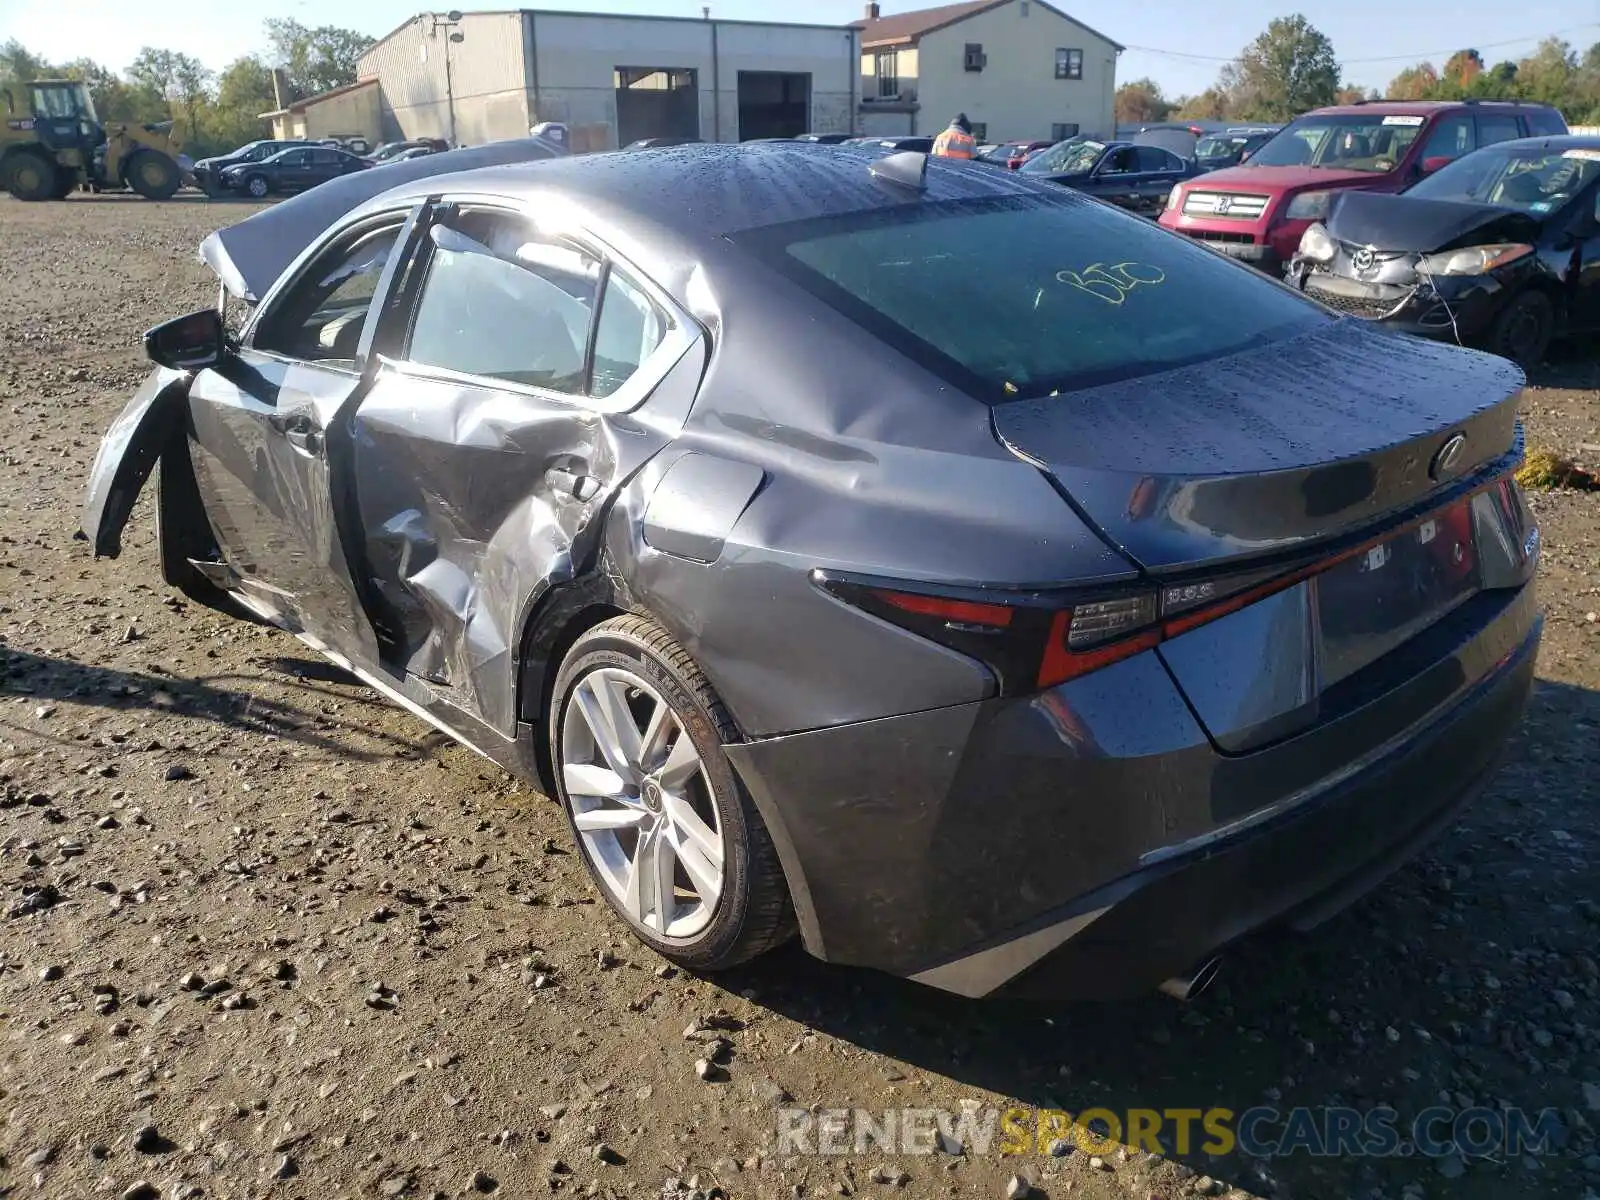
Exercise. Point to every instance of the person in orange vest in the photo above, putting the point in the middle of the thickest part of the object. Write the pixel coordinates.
(957, 140)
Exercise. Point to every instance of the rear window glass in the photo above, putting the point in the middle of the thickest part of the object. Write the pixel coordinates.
(1099, 295)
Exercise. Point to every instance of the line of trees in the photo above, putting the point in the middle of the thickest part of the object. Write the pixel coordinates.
(1291, 67)
(211, 111)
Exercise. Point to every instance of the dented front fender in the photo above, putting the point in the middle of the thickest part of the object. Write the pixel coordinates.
(128, 453)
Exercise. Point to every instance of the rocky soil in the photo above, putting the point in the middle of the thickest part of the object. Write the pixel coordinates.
(263, 935)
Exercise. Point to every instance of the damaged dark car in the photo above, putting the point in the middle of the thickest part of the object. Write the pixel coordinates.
(1037, 625)
(1500, 249)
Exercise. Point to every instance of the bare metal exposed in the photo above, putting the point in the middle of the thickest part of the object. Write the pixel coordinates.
(1015, 623)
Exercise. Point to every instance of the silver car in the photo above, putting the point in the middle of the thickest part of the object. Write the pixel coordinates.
(1039, 622)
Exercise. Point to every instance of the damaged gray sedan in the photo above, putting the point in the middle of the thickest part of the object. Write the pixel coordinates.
(1037, 625)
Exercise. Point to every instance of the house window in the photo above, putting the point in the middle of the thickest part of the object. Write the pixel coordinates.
(1062, 130)
(1069, 64)
(888, 75)
(975, 59)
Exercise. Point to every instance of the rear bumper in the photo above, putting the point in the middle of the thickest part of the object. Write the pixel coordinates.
(1090, 842)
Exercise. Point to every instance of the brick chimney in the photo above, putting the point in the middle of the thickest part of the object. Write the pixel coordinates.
(872, 12)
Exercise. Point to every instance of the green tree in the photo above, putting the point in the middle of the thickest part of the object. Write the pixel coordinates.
(1549, 73)
(1290, 68)
(19, 65)
(316, 60)
(1141, 101)
(244, 92)
(1209, 105)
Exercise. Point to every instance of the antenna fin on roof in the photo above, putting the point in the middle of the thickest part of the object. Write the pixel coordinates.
(909, 168)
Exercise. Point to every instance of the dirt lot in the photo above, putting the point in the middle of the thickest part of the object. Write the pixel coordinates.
(410, 988)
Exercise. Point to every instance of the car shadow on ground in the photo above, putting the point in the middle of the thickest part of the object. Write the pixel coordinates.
(219, 699)
(1354, 1013)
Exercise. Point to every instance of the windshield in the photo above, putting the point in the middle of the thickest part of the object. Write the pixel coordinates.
(1357, 143)
(1071, 157)
(1099, 296)
(1530, 181)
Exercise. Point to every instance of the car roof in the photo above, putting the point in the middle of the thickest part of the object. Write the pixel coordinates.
(709, 190)
(1415, 108)
(1562, 141)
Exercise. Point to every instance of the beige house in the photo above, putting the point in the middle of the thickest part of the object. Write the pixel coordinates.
(346, 113)
(612, 78)
(1020, 70)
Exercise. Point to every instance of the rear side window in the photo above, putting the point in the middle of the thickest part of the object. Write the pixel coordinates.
(1100, 295)
(1152, 158)
(1544, 121)
(505, 304)
(1492, 129)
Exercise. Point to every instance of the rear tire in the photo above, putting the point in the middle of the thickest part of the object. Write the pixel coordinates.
(1523, 330)
(153, 175)
(30, 176)
(685, 796)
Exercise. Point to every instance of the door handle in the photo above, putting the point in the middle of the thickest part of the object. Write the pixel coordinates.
(569, 483)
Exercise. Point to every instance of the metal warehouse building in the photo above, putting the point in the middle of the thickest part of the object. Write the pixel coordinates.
(483, 76)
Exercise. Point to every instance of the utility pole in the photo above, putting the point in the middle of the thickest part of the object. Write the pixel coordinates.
(451, 21)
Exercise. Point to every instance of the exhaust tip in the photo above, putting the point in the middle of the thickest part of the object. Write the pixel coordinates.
(1187, 987)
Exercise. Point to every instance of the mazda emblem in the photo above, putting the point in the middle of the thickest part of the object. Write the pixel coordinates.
(1448, 460)
(1362, 259)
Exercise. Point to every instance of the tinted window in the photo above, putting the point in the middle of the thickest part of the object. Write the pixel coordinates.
(1497, 129)
(321, 318)
(502, 303)
(1153, 159)
(327, 158)
(1450, 137)
(1099, 296)
(295, 158)
(1354, 143)
(630, 327)
(1124, 161)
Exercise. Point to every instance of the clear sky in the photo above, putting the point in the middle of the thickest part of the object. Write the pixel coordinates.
(1172, 41)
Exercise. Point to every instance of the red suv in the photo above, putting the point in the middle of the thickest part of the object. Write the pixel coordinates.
(1258, 210)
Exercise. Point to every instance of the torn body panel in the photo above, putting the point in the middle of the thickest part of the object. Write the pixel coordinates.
(150, 421)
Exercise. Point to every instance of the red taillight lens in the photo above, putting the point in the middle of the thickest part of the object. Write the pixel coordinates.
(1037, 640)
(961, 612)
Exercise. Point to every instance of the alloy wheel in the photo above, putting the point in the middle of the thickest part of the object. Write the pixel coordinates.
(641, 803)
(258, 187)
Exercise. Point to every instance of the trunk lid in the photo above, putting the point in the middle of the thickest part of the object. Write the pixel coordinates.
(1271, 449)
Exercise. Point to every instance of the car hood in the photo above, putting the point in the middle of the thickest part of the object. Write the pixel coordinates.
(248, 257)
(1276, 180)
(1390, 222)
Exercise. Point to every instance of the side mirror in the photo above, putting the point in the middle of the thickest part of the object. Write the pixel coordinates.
(1434, 162)
(188, 343)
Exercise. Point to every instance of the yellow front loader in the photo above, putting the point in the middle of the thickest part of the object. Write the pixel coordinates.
(53, 144)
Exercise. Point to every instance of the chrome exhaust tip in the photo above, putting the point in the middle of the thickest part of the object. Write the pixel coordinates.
(1187, 987)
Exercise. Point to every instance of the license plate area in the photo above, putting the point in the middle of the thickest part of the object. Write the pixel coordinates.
(1387, 593)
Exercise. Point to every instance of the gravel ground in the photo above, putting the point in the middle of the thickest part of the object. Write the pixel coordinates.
(261, 934)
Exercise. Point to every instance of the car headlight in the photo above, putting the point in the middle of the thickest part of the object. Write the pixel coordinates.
(1309, 206)
(1175, 195)
(1472, 260)
(1316, 245)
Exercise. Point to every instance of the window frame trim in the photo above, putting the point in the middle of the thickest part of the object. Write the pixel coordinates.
(409, 214)
(682, 335)
(1064, 63)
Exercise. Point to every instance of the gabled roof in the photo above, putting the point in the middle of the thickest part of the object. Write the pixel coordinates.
(299, 106)
(899, 29)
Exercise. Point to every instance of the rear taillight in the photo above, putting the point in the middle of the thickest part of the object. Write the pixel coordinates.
(1035, 640)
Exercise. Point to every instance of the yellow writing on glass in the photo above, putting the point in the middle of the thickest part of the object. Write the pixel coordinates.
(1112, 283)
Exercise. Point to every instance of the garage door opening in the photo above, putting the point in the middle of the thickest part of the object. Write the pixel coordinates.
(773, 104)
(656, 102)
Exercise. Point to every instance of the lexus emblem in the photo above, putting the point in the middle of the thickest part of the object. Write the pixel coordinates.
(1222, 205)
(1362, 259)
(1448, 460)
